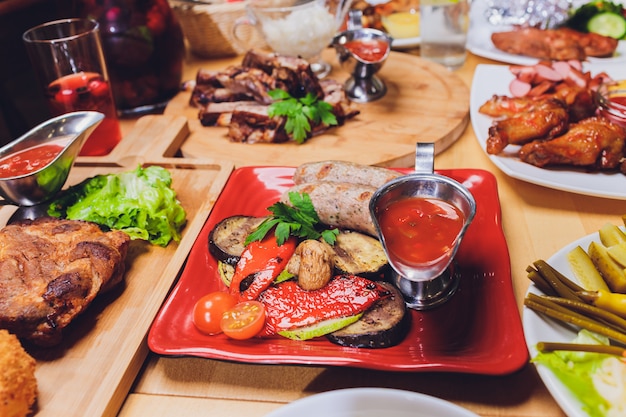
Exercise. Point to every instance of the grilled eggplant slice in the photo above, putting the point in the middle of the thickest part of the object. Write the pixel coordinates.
(385, 324)
(359, 254)
(226, 240)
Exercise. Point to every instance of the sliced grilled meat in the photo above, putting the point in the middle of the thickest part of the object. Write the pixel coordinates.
(238, 97)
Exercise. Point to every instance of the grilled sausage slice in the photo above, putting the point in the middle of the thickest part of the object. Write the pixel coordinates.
(341, 205)
(343, 171)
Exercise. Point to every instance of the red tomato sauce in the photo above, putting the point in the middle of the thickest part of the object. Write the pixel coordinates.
(615, 110)
(420, 230)
(28, 160)
(370, 50)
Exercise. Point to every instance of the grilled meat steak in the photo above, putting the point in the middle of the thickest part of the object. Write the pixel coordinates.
(51, 270)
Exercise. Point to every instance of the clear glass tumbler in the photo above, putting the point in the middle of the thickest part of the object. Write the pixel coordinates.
(444, 25)
(68, 60)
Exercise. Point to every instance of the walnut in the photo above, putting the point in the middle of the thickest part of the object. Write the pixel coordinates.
(312, 263)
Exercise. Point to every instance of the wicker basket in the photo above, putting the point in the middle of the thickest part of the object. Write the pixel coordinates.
(208, 28)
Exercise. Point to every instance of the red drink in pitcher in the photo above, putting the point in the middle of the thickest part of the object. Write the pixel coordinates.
(87, 91)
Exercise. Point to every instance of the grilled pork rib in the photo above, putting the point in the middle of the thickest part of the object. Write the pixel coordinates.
(51, 270)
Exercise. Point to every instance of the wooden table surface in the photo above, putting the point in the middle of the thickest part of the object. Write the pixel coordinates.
(537, 222)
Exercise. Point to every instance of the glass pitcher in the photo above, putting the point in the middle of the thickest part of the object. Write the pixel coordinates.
(144, 50)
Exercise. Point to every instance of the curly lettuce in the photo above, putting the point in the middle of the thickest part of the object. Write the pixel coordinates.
(592, 378)
(140, 203)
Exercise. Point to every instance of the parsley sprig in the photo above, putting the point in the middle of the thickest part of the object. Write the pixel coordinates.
(300, 112)
(299, 219)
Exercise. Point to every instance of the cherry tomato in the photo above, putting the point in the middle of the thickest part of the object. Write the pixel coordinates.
(244, 321)
(208, 311)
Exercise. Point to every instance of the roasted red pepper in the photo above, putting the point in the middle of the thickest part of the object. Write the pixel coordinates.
(289, 307)
(260, 262)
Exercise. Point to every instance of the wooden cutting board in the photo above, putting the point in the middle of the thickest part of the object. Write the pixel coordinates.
(91, 372)
(425, 102)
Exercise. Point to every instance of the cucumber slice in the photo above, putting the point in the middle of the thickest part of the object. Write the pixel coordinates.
(608, 24)
(319, 329)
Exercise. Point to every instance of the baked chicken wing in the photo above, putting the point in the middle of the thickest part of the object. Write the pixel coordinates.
(548, 118)
(593, 142)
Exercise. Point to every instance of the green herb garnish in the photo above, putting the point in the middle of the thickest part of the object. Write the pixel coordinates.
(300, 112)
(298, 220)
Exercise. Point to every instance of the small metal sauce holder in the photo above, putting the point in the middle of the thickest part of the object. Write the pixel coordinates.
(363, 85)
(427, 285)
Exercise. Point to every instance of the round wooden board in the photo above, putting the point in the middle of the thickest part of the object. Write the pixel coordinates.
(425, 102)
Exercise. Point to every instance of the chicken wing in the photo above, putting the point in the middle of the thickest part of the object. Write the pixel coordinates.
(505, 106)
(547, 119)
(593, 142)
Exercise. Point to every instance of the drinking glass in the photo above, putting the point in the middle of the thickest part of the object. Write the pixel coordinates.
(444, 25)
(68, 61)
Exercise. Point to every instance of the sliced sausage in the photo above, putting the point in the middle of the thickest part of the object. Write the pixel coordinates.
(341, 205)
(343, 171)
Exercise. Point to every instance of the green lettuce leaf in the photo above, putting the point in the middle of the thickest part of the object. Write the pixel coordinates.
(140, 203)
(576, 369)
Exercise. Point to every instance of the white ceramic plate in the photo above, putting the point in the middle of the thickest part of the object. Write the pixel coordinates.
(495, 79)
(479, 41)
(539, 328)
(370, 402)
(406, 43)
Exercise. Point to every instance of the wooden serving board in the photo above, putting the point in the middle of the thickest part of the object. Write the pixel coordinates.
(91, 372)
(425, 102)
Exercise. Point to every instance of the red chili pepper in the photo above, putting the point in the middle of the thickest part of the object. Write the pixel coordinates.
(288, 306)
(261, 262)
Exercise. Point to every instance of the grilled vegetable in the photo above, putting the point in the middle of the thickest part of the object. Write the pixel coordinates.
(359, 254)
(259, 265)
(385, 324)
(289, 307)
(319, 329)
(312, 263)
(226, 240)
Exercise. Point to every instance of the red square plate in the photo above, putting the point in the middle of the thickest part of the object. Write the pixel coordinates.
(477, 331)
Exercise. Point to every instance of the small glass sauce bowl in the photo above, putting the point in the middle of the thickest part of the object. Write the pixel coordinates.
(611, 99)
